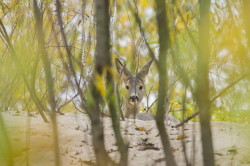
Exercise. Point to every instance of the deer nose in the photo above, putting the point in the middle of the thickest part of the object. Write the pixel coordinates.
(134, 98)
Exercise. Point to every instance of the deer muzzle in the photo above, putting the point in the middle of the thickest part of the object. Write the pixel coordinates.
(134, 99)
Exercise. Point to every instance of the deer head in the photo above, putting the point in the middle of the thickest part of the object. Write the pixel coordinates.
(134, 84)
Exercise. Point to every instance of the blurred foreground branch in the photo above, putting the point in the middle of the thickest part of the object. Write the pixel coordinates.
(20, 68)
(163, 79)
(202, 83)
(49, 79)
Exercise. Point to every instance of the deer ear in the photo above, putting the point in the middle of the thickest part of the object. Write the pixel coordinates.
(143, 72)
(122, 70)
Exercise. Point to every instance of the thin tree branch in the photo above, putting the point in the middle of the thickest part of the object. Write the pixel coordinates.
(69, 54)
(142, 32)
(20, 68)
(214, 98)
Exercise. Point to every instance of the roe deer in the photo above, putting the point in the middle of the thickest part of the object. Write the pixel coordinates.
(135, 89)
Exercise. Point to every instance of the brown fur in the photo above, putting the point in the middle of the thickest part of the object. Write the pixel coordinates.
(135, 87)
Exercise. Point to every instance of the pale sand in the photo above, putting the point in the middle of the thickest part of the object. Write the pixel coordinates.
(231, 141)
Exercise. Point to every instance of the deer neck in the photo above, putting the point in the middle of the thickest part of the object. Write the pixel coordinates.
(131, 110)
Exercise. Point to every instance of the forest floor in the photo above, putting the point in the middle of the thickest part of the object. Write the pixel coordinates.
(32, 140)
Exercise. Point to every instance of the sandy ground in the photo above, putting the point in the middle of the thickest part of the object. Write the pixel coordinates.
(32, 140)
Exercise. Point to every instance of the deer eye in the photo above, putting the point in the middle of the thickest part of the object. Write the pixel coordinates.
(141, 87)
(127, 87)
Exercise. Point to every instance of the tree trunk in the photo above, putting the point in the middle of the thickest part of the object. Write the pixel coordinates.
(49, 79)
(6, 151)
(246, 12)
(202, 91)
(102, 59)
(163, 82)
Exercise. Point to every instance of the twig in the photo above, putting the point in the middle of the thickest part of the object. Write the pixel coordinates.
(217, 96)
(69, 54)
(67, 102)
(19, 66)
(119, 101)
(142, 32)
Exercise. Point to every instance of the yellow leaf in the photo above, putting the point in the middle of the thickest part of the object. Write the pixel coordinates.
(33, 134)
(180, 26)
(144, 3)
(139, 128)
(99, 84)
(88, 60)
(181, 137)
(187, 17)
(143, 109)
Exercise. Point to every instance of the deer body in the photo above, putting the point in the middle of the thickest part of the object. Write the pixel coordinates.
(135, 91)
